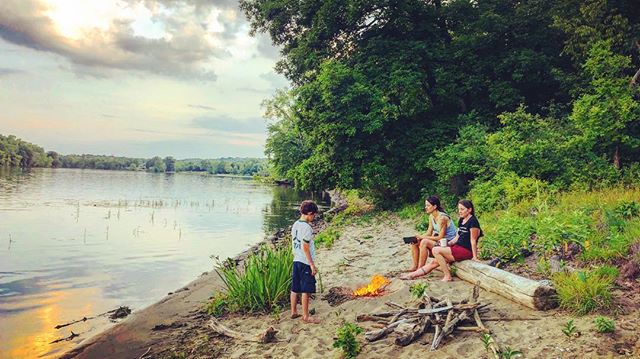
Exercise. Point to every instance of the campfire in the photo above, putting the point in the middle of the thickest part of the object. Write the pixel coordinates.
(375, 288)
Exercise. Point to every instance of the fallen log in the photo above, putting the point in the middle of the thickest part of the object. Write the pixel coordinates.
(268, 336)
(532, 294)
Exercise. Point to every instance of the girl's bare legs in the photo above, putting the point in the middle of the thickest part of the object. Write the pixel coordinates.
(415, 253)
(425, 245)
(443, 256)
(424, 270)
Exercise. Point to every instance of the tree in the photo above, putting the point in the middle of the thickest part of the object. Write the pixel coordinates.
(608, 115)
(155, 164)
(170, 164)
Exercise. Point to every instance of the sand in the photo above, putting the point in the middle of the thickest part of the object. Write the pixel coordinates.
(363, 251)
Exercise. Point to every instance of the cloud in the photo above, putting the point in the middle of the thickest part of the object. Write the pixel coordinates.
(253, 90)
(6, 71)
(275, 80)
(266, 48)
(170, 37)
(202, 107)
(227, 124)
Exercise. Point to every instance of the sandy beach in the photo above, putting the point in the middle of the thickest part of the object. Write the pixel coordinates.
(176, 327)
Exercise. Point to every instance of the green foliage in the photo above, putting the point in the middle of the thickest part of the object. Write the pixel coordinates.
(423, 223)
(604, 112)
(327, 237)
(346, 339)
(262, 284)
(604, 324)
(628, 210)
(417, 290)
(507, 237)
(411, 211)
(218, 306)
(486, 340)
(543, 266)
(584, 291)
(15, 152)
(569, 328)
(508, 353)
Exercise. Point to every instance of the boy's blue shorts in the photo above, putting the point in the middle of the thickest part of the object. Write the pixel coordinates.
(302, 281)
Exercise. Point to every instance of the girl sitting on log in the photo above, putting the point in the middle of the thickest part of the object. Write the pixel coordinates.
(440, 227)
(463, 246)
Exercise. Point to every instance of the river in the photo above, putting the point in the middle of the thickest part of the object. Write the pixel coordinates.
(78, 243)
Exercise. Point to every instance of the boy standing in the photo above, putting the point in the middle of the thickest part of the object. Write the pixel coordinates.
(303, 279)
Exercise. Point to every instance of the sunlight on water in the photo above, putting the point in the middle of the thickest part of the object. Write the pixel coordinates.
(78, 243)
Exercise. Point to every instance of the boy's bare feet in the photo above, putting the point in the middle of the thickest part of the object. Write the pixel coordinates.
(311, 320)
(295, 315)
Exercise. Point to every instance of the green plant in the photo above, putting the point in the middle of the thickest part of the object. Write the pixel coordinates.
(628, 209)
(411, 211)
(508, 353)
(218, 305)
(486, 340)
(583, 291)
(543, 266)
(604, 324)
(346, 339)
(507, 237)
(417, 290)
(569, 329)
(327, 237)
(263, 282)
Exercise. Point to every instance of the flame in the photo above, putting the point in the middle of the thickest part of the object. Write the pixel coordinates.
(374, 288)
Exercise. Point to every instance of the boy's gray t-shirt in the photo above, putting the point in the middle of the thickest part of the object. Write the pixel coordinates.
(301, 232)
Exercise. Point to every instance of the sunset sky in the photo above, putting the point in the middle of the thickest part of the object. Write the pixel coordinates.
(135, 78)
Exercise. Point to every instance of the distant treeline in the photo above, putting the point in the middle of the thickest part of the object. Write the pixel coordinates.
(15, 152)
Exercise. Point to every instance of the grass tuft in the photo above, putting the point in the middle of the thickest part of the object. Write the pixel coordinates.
(583, 292)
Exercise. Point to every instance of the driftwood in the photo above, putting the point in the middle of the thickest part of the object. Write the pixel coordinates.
(530, 293)
(267, 336)
(444, 316)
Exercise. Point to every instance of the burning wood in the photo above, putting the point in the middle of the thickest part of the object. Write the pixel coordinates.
(375, 288)
(444, 316)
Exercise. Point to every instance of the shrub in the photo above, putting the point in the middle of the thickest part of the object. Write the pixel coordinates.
(218, 305)
(411, 211)
(628, 209)
(327, 237)
(507, 237)
(417, 290)
(604, 325)
(262, 284)
(559, 229)
(346, 339)
(584, 291)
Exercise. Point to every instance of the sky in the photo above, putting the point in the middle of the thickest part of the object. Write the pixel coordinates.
(135, 78)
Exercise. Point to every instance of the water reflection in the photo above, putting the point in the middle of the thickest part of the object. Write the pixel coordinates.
(76, 243)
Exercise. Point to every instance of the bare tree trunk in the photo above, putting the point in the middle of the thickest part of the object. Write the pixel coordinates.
(616, 158)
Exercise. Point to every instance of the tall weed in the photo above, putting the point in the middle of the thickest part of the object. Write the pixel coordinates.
(261, 284)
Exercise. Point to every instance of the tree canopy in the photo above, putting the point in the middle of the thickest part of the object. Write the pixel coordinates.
(381, 89)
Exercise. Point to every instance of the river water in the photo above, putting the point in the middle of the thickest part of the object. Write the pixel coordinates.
(77, 243)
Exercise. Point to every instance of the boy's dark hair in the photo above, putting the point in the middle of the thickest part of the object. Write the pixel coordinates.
(435, 200)
(308, 207)
(467, 204)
